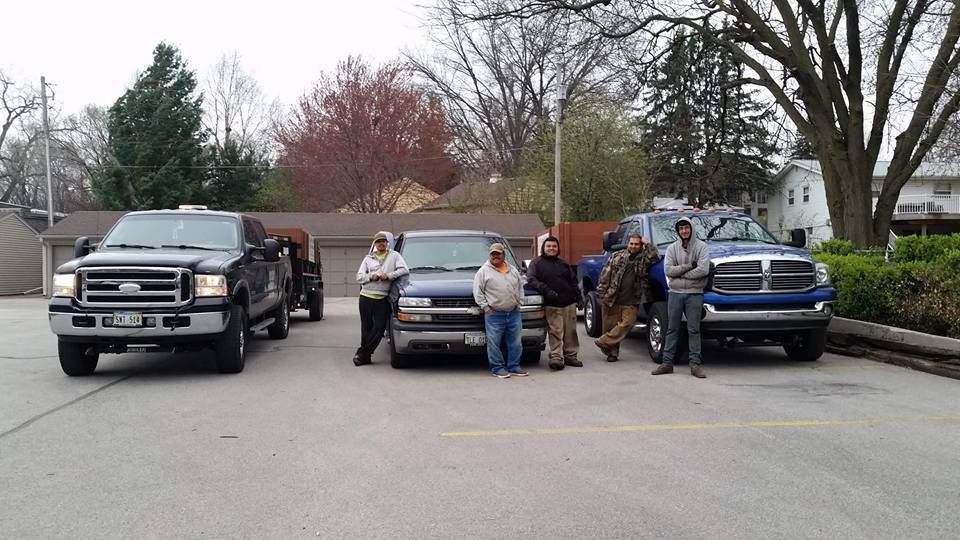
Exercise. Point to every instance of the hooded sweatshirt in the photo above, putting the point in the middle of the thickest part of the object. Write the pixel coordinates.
(553, 278)
(687, 267)
(392, 264)
(501, 291)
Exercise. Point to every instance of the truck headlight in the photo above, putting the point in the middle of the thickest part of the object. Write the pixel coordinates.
(210, 285)
(823, 275)
(64, 284)
(534, 300)
(412, 301)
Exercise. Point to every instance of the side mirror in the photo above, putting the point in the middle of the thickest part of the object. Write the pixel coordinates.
(271, 250)
(609, 240)
(798, 238)
(524, 264)
(81, 248)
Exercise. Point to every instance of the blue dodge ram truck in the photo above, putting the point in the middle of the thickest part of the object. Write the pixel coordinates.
(433, 308)
(760, 291)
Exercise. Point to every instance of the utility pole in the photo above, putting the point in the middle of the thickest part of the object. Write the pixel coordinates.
(46, 146)
(561, 99)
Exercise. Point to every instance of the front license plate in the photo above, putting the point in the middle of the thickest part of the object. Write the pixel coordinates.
(475, 339)
(128, 320)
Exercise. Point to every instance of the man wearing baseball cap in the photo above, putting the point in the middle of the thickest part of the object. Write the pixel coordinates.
(498, 290)
(379, 269)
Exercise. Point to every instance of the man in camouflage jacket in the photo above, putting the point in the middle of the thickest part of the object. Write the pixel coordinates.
(623, 286)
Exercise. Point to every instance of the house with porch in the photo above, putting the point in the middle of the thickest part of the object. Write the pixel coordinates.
(929, 202)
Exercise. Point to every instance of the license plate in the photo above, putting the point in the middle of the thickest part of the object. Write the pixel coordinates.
(128, 320)
(475, 339)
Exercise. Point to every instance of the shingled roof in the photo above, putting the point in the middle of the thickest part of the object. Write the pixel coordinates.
(97, 223)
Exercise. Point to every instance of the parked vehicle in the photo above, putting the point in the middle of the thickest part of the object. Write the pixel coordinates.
(760, 291)
(171, 280)
(306, 270)
(433, 308)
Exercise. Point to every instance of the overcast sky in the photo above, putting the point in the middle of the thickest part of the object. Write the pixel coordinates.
(91, 50)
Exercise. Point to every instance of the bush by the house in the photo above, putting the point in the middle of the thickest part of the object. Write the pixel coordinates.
(921, 295)
(926, 248)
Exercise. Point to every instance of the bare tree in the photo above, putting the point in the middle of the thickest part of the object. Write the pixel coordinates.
(846, 73)
(236, 109)
(498, 77)
(18, 106)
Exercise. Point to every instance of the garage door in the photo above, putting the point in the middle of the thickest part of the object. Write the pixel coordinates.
(340, 265)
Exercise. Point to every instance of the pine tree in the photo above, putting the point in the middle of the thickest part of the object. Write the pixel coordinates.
(706, 136)
(235, 177)
(156, 139)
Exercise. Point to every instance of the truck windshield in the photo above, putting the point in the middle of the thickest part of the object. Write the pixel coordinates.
(441, 254)
(190, 231)
(712, 228)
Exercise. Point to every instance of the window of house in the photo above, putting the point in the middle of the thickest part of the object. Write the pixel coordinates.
(806, 193)
(809, 232)
(761, 197)
(790, 197)
(943, 189)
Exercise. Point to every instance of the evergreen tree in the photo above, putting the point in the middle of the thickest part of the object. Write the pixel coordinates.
(707, 137)
(156, 138)
(235, 177)
(802, 149)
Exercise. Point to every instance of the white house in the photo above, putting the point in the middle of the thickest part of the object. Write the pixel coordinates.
(929, 202)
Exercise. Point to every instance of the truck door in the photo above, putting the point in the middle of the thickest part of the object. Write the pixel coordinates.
(255, 270)
(272, 287)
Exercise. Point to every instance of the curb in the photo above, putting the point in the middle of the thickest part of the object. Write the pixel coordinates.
(937, 355)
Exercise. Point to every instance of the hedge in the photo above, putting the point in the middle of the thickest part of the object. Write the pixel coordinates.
(920, 291)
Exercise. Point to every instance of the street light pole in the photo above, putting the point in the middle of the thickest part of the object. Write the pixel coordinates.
(46, 148)
(561, 99)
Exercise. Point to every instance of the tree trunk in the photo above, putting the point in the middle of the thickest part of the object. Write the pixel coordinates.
(847, 180)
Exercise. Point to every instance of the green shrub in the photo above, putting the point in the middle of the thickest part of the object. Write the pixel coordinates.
(925, 248)
(835, 246)
(917, 295)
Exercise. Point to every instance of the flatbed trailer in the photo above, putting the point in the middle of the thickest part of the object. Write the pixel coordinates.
(306, 290)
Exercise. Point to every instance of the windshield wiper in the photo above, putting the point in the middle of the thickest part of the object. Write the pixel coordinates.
(440, 268)
(131, 246)
(190, 246)
(471, 267)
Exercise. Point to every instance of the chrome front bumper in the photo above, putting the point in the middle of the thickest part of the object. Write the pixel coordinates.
(770, 319)
(453, 342)
(62, 324)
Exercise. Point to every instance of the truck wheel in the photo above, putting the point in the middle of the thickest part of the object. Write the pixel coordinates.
(77, 359)
(657, 331)
(397, 360)
(315, 304)
(530, 358)
(232, 345)
(593, 315)
(808, 347)
(280, 328)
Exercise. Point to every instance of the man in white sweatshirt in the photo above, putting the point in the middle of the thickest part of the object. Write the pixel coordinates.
(379, 269)
(498, 290)
(687, 266)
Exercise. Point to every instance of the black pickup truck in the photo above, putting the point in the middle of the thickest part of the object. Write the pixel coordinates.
(171, 280)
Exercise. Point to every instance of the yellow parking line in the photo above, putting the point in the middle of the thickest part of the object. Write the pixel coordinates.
(680, 427)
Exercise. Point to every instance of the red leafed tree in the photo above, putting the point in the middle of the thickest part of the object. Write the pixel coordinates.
(362, 137)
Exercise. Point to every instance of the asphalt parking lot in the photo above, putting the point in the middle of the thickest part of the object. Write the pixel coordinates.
(303, 444)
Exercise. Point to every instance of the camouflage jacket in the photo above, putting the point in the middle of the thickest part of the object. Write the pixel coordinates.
(612, 274)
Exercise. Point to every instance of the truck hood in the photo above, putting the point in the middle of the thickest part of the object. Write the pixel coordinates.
(442, 284)
(719, 250)
(199, 261)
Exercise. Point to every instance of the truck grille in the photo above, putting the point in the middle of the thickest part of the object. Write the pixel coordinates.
(764, 276)
(135, 287)
(460, 301)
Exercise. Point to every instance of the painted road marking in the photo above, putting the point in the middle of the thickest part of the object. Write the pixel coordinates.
(693, 427)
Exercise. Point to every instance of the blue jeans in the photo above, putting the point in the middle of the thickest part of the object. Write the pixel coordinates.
(679, 304)
(503, 326)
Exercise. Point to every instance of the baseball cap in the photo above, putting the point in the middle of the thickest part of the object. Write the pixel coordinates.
(380, 236)
(497, 246)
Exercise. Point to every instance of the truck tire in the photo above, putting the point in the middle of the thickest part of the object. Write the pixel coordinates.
(280, 328)
(397, 360)
(808, 347)
(232, 345)
(530, 358)
(656, 331)
(593, 315)
(315, 304)
(77, 359)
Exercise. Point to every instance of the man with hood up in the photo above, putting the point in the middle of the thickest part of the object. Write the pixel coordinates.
(622, 288)
(379, 269)
(686, 266)
(557, 282)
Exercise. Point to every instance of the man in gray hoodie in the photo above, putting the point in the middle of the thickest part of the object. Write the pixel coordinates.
(498, 290)
(379, 269)
(687, 266)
